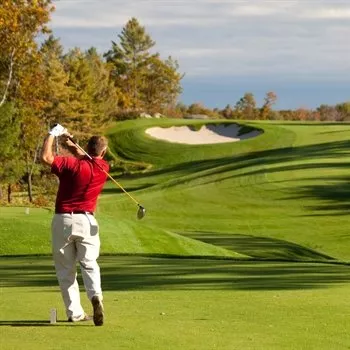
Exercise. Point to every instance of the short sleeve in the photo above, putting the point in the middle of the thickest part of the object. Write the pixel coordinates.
(61, 164)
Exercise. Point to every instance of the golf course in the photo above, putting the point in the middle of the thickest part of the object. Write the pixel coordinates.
(244, 245)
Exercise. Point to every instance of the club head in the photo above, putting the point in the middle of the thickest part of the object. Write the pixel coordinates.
(141, 212)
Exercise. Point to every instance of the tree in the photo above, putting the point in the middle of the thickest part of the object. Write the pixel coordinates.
(327, 112)
(266, 110)
(287, 114)
(145, 81)
(11, 166)
(245, 108)
(302, 114)
(344, 111)
(105, 96)
(197, 108)
(177, 111)
(20, 22)
(161, 85)
(56, 93)
(182, 108)
(32, 101)
(21, 80)
(227, 112)
(93, 98)
(33, 129)
(80, 116)
(129, 59)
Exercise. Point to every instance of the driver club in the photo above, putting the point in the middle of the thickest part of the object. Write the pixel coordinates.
(141, 212)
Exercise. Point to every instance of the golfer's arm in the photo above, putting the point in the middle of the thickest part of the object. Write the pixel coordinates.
(47, 155)
(75, 151)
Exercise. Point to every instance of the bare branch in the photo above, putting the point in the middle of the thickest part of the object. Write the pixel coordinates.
(12, 61)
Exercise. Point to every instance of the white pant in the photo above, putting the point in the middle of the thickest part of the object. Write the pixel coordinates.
(75, 238)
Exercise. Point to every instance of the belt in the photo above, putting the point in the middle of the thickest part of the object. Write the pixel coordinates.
(76, 212)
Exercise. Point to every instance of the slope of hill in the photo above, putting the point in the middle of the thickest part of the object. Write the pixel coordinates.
(285, 191)
(282, 196)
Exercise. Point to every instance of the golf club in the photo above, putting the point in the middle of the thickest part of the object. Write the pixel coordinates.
(141, 212)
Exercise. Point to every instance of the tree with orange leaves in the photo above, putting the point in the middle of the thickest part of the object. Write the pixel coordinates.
(21, 81)
(20, 23)
(266, 110)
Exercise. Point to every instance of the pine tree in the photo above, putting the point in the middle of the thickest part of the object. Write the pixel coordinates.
(104, 93)
(146, 82)
(56, 93)
(80, 116)
(129, 60)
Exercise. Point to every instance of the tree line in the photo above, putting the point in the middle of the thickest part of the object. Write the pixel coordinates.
(246, 108)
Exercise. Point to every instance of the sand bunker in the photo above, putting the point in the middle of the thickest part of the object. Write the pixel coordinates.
(207, 134)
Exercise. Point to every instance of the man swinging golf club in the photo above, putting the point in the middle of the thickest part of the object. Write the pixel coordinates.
(75, 232)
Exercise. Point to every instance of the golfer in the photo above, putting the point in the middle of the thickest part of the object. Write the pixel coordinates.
(75, 232)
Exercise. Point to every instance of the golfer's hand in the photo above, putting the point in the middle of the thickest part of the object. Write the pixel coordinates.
(58, 130)
(69, 143)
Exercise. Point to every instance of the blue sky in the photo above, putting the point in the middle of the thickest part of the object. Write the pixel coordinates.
(298, 49)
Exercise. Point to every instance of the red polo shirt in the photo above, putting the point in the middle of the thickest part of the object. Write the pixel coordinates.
(81, 181)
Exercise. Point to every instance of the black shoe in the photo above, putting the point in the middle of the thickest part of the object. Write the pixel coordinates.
(98, 310)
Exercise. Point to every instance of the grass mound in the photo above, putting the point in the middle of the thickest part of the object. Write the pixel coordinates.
(281, 195)
(29, 234)
(288, 184)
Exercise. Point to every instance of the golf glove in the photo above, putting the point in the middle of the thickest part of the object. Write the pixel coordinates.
(58, 130)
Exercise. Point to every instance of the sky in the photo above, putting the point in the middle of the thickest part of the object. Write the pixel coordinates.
(298, 49)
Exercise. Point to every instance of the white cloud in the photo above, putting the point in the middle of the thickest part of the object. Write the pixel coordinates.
(91, 13)
(330, 12)
(207, 52)
(116, 13)
(307, 39)
(257, 10)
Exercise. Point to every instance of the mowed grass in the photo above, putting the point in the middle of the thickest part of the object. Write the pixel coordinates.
(182, 304)
(264, 221)
(287, 186)
(282, 195)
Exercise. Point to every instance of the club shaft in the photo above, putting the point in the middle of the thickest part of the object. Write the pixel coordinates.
(119, 185)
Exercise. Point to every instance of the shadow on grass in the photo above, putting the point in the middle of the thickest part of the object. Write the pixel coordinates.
(333, 195)
(121, 273)
(335, 149)
(259, 247)
(37, 323)
(115, 190)
(25, 323)
(255, 163)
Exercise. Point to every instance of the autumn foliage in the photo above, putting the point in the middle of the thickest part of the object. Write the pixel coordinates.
(41, 84)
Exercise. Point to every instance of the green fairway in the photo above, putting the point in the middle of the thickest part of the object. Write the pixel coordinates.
(288, 184)
(282, 195)
(191, 304)
(245, 245)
